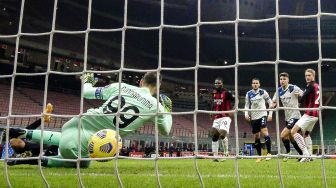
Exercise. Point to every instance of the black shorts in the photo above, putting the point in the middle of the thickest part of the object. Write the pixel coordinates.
(258, 124)
(290, 124)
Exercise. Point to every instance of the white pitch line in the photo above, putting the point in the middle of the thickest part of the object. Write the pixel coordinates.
(262, 176)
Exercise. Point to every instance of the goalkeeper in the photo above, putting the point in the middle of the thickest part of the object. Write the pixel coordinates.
(133, 100)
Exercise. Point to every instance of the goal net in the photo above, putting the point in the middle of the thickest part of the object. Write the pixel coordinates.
(189, 44)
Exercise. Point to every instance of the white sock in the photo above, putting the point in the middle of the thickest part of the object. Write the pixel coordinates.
(215, 148)
(309, 144)
(300, 141)
(225, 142)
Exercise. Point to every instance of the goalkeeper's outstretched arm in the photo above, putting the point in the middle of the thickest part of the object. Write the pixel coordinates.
(165, 121)
(91, 92)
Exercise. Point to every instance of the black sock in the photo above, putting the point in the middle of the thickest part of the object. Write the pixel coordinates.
(34, 125)
(286, 144)
(268, 143)
(296, 146)
(18, 162)
(257, 145)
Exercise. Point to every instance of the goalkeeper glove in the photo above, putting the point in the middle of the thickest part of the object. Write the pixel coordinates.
(89, 78)
(166, 102)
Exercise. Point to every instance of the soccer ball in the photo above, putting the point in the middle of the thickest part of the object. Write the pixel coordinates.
(104, 144)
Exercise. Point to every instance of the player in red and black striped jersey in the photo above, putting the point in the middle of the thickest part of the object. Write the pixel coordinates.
(221, 101)
(306, 123)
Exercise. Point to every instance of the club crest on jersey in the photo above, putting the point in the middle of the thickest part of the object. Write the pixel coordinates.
(218, 101)
(106, 148)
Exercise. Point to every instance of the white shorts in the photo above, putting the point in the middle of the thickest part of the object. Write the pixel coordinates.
(306, 123)
(222, 123)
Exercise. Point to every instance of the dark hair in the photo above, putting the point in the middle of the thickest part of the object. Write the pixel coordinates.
(219, 78)
(285, 74)
(255, 79)
(150, 78)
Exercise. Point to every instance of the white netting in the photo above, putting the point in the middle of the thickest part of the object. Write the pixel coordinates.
(159, 69)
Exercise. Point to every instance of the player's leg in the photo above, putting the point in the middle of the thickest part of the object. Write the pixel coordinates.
(300, 125)
(68, 146)
(257, 145)
(289, 125)
(215, 138)
(300, 141)
(224, 131)
(49, 137)
(308, 141)
(264, 131)
(285, 139)
(296, 146)
(34, 125)
(306, 123)
(267, 138)
(256, 132)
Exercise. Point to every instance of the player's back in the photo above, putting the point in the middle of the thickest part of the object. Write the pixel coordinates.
(133, 101)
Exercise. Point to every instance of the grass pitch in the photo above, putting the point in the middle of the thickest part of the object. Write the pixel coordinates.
(177, 173)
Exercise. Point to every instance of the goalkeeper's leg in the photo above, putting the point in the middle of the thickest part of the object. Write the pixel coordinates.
(49, 137)
(68, 146)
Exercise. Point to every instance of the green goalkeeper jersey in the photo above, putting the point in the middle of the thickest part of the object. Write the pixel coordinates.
(137, 100)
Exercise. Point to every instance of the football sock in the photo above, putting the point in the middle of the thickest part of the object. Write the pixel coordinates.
(34, 125)
(286, 144)
(215, 148)
(297, 147)
(300, 141)
(257, 145)
(309, 144)
(268, 143)
(226, 145)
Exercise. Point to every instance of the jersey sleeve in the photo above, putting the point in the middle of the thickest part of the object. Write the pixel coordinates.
(298, 91)
(306, 93)
(247, 104)
(103, 93)
(267, 98)
(164, 121)
(230, 96)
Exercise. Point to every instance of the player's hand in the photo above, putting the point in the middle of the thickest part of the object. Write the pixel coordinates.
(269, 118)
(166, 102)
(274, 104)
(89, 78)
(247, 118)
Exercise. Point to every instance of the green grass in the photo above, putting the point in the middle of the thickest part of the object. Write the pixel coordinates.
(177, 173)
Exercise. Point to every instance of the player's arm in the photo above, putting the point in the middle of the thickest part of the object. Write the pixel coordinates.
(306, 93)
(274, 100)
(298, 91)
(91, 92)
(165, 121)
(247, 106)
(270, 104)
(230, 98)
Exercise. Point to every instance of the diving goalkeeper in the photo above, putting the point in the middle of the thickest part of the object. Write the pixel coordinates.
(133, 100)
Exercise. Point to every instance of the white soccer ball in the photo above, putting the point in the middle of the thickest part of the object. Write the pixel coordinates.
(104, 144)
